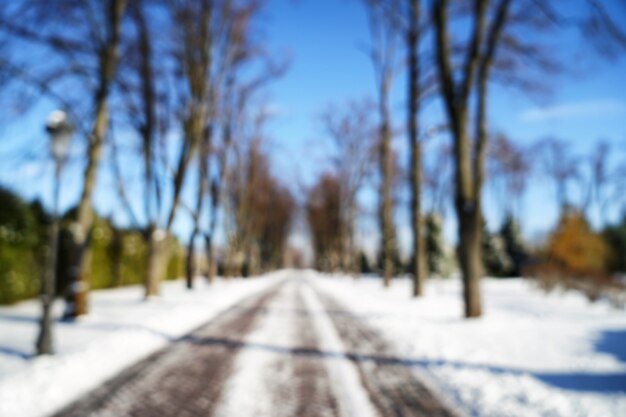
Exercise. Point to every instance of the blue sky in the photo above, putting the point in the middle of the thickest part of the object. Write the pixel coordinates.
(586, 103)
(323, 39)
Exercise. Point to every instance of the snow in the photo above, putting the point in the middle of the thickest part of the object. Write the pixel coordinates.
(532, 354)
(121, 330)
(248, 391)
(352, 398)
(263, 366)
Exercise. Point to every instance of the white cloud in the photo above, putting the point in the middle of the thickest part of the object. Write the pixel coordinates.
(608, 107)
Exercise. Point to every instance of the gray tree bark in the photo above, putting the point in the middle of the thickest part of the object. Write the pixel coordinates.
(469, 158)
(81, 226)
(419, 253)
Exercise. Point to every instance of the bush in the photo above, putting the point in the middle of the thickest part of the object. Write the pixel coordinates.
(20, 240)
(577, 248)
(514, 246)
(615, 236)
(364, 263)
(176, 264)
(577, 258)
(435, 246)
(496, 261)
(116, 257)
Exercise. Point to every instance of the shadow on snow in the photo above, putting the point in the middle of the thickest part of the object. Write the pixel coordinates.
(612, 342)
(571, 381)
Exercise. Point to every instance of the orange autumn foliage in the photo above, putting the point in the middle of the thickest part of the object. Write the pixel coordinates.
(576, 247)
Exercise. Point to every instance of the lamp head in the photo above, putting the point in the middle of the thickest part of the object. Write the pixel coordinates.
(60, 130)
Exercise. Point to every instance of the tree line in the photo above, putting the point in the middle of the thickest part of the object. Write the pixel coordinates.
(166, 95)
(168, 92)
(457, 68)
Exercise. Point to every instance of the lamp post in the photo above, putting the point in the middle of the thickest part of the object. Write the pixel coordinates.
(60, 131)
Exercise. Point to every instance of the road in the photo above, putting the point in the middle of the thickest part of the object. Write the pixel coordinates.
(291, 350)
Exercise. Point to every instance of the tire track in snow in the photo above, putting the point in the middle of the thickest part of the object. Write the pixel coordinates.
(184, 379)
(288, 351)
(391, 385)
(353, 400)
(274, 376)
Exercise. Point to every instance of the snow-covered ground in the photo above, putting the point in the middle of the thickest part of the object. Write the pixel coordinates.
(121, 330)
(532, 354)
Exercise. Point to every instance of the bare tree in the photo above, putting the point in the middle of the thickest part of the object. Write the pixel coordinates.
(383, 55)
(421, 84)
(145, 104)
(469, 155)
(207, 43)
(560, 165)
(323, 213)
(224, 37)
(261, 208)
(353, 135)
(509, 168)
(88, 55)
(234, 93)
(600, 179)
(437, 178)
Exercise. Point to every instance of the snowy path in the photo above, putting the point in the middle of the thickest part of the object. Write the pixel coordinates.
(289, 350)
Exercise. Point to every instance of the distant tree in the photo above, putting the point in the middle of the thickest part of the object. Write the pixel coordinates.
(278, 207)
(236, 50)
(615, 236)
(496, 261)
(560, 166)
(514, 245)
(399, 267)
(271, 211)
(247, 69)
(262, 211)
(199, 29)
(509, 167)
(354, 138)
(575, 246)
(618, 181)
(323, 213)
(364, 263)
(435, 245)
(438, 179)
(353, 135)
(602, 188)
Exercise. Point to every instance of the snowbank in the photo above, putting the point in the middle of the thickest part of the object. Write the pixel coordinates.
(532, 354)
(121, 330)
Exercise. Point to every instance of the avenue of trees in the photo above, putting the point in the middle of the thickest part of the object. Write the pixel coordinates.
(168, 95)
(457, 68)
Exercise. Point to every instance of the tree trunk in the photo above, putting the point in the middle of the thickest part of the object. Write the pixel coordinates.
(189, 264)
(470, 258)
(415, 150)
(210, 257)
(77, 298)
(467, 193)
(158, 253)
(386, 209)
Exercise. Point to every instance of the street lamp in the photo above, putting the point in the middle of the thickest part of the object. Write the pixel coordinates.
(60, 131)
